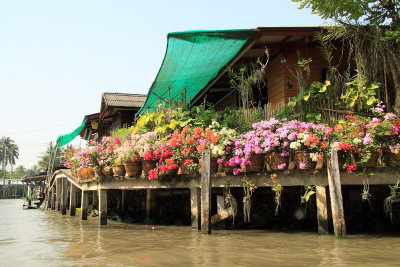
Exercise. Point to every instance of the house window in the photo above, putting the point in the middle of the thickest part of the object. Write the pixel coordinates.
(116, 125)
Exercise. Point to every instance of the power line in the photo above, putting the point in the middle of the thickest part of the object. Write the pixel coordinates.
(38, 130)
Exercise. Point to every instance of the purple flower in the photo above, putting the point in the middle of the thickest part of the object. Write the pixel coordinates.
(367, 139)
(220, 161)
(302, 165)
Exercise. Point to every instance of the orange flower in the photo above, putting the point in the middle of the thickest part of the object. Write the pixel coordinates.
(338, 128)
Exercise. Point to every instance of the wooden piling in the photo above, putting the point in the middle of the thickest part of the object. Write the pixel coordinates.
(148, 205)
(95, 200)
(322, 210)
(335, 191)
(123, 196)
(58, 194)
(103, 206)
(72, 200)
(84, 204)
(53, 198)
(64, 195)
(195, 195)
(206, 192)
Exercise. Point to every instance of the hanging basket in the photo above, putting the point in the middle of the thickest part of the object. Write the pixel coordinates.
(214, 165)
(119, 170)
(148, 165)
(91, 172)
(107, 171)
(257, 162)
(274, 159)
(304, 157)
(184, 168)
(133, 168)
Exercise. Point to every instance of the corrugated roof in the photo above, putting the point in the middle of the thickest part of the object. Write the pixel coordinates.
(124, 100)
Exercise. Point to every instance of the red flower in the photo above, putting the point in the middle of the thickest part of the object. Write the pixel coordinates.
(153, 174)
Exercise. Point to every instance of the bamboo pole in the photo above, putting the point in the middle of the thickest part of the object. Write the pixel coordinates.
(206, 192)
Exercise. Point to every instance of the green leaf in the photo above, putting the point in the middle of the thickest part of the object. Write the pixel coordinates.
(306, 97)
(309, 194)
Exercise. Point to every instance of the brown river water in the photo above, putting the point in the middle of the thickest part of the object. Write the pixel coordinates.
(46, 238)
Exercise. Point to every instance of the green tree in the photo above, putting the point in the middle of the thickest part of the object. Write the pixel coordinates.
(44, 157)
(11, 150)
(20, 172)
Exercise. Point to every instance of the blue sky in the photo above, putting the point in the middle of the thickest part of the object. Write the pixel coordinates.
(57, 57)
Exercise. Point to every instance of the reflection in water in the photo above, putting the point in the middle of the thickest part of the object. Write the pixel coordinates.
(46, 238)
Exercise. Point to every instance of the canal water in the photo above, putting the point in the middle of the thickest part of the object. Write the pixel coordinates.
(46, 238)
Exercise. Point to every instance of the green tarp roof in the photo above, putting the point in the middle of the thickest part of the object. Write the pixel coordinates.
(193, 58)
(66, 138)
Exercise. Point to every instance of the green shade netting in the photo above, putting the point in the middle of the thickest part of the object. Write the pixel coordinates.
(66, 138)
(193, 59)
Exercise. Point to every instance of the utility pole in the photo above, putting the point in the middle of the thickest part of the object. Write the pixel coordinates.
(4, 171)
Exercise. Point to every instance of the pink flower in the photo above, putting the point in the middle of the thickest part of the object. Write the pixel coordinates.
(302, 165)
(281, 166)
(236, 171)
(367, 139)
(117, 141)
(153, 174)
(220, 161)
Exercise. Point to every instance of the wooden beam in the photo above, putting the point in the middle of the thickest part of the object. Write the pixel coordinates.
(72, 200)
(64, 195)
(322, 210)
(84, 204)
(123, 197)
(95, 200)
(206, 192)
(103, 206)
(335, 191)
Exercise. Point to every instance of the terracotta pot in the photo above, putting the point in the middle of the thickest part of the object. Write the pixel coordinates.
(74, 173)
(119, 170)
(80, 175)
(275, 159)
(304, 157)
(214, 165)
(91, 172)
(184, 168)
(133, 168)
(148, 165)
(230, 168)
(107, 171)
(85, 173)
(98, 172)
(257, 162)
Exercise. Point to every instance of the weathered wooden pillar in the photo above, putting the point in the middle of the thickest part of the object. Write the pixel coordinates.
(49, 193)
(103, 206)
(206, 192)
(148, 205)
(95, 200)
(72, 200)
(322, 210)
(84, 204)
(58, 193)
(123, 197)
(64, 194)
(28, 195)
(53, 198)
(335, 192)
(195, 200)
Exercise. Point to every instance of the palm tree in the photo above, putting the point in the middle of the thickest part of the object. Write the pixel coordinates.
(9, 152)
(44, 157)
(32, 171)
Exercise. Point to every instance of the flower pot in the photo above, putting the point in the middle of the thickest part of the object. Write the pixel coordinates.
(274, 159)
(214, 165)
(373, 160)
(257, 162)
(91, 172)
(119, 170)
(148, 165)
(98, 172)
(80, 175)
(184, 168)
(133, 168)
(107, 171)
(74, 173)
(304, 157)
(85, 174)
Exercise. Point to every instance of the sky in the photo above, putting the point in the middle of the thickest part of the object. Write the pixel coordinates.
(57, 57)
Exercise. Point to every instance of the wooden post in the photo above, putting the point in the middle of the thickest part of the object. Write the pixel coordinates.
(95, 200)
(322, 210)
(48, 197)
(148, 205)
(58, 193)
(195, 207)
(53, 198)
(72, 200)
(28, 194)
(64, 196)
(335, 193)
(84, 204)
(123, 196)
(206, 192)
(103, 206)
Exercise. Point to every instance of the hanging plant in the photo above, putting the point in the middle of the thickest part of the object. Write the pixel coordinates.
(310, 190)
(230, 202)
(248, 188)
(393, 198)
(277, 188)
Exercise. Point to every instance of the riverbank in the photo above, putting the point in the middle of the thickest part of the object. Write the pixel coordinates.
(44, 238)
